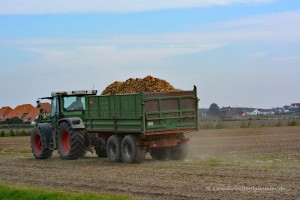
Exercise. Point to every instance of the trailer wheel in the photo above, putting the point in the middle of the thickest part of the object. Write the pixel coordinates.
(113, 148)
(180, 152)
(70, 142)
(130, 152)
(37, 142)
(159, 153)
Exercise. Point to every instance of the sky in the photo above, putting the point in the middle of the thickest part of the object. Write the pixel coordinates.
(243, 53)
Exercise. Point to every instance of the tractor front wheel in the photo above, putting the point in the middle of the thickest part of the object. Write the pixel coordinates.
(38, 147)
(70, 142)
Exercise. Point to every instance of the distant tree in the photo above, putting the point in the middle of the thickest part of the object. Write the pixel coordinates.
(214, 109)
(14, 120)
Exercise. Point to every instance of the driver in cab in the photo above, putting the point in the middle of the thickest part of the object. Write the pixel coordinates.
(76, 105)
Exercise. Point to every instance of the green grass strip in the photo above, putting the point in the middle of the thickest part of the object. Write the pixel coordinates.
(13, 192)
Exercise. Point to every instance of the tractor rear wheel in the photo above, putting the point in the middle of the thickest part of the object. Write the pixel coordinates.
(70, 142)
(113, 148)
(180, 152)
(37, 142)
(130, 152)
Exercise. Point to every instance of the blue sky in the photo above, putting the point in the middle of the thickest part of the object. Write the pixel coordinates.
(237, 52)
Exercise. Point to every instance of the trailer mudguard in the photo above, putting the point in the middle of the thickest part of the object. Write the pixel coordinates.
(75, 122)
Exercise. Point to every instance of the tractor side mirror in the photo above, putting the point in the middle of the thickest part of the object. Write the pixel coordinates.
(38, 105)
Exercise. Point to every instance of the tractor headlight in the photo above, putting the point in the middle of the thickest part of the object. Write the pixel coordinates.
(76, 121)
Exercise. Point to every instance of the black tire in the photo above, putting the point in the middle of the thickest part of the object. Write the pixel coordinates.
(130, 152)
(70, 142)
(159, 153)
(38, 147)
(113, 148)
(180, 152)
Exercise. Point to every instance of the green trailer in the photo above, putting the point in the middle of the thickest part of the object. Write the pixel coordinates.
(123, 127)
(142, 113)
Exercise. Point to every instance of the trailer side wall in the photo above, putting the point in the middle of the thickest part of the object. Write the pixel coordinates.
(171, 111)
(148, 113)
(114, 113)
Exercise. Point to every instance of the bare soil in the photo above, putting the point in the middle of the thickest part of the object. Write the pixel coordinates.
(260, 163)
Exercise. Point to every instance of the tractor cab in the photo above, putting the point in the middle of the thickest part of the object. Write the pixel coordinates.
(66, 104)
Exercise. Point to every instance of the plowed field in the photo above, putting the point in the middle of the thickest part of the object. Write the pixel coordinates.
(260, 163)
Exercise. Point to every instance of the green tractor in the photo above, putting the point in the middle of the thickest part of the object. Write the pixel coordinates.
(64, 128)
(121, 127)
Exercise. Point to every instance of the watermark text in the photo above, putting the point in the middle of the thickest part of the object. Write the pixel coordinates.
(245, 188)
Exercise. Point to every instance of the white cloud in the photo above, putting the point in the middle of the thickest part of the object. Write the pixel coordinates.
(268, 28)
(79, 6)
(135, 53)
(258, 55)
(67, 64)
(145, 54)
(138, 50)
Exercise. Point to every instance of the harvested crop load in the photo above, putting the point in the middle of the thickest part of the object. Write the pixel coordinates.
(147, 84)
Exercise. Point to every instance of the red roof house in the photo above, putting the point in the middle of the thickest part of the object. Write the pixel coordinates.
(30, 117)
(4, 111)
(46, 107)
(226, 113)
(20, 111)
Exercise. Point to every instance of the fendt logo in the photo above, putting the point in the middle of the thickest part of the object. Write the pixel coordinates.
(91, 100)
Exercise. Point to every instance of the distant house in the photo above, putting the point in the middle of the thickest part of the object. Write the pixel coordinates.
(280, 110)
(243, 111)
(28, 113)
(226, 113)
(266, 112)
(34, 113)
(244, 114)
(4, 111)
(287, 108)
(294, 108)
(295, 105)
(20, 111)
(254, 112)
(203, 112)
(249, 111)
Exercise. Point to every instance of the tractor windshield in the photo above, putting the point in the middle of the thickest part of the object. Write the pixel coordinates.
(73, 103)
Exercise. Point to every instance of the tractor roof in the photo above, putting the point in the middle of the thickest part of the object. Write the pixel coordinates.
(74, 93)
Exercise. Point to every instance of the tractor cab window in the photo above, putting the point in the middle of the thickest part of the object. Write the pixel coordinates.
(54, 107)
(73, 103)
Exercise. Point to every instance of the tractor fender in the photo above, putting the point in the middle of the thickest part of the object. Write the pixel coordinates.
(46, 132)
(75, 122)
